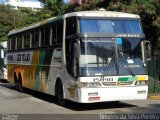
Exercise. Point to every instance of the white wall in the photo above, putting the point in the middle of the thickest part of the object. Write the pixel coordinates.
(35, 4)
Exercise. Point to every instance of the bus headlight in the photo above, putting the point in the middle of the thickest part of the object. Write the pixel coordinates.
(90, 84)
(142, 82)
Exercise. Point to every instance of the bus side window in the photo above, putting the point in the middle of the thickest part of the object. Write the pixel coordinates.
(71, 28)
(32, 39)
(8, 44)
(27, 40)
(19, 42)
(54, 34)
(60, 32)
(36, 38)
(13, 43)
(42, 37)
(47, 36)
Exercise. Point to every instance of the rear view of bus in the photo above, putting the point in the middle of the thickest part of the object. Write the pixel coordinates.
(106, 55)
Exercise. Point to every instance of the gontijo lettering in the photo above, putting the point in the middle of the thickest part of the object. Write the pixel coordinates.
(10, 57)
(23, 57)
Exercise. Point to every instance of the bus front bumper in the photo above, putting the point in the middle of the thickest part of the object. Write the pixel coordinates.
(91, 95)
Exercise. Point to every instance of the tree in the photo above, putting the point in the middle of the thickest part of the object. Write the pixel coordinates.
(56, 7)
(14, 19)
(36, 16)
(10, 19)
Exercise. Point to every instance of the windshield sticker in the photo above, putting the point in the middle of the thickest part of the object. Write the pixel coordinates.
(119, 41)
(132, 66)
(130, 61)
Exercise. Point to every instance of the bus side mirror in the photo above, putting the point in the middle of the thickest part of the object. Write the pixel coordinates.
(1, 54)
(148, 50)
(76, 57)
(75, 50)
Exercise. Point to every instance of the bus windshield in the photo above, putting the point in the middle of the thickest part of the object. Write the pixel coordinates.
(110, 26)
(98, 56)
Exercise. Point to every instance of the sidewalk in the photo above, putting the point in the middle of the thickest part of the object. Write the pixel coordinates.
(154, 96)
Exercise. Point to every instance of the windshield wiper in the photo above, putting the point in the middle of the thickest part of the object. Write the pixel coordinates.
(127, 68)
(106, 69)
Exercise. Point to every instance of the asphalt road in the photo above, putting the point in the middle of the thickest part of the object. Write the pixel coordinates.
(32, 105)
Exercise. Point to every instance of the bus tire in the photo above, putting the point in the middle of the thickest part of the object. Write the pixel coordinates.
(20, 88)
(15, 81)
(115, 102)
(59, 94)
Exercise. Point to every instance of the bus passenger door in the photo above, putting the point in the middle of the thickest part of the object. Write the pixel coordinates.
(73, 59)
(73, 67)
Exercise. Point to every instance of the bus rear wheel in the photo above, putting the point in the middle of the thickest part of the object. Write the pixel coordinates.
(59, 94)
(20, 88)
(15, 81)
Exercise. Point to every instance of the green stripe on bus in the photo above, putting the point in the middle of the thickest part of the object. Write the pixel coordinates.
(48, 57)
(45, 57)
(47, 61)
(127, 79)
(41, 56)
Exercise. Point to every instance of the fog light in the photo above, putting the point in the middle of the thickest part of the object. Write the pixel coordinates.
(142, 82)
(90, 84)
(141, 92)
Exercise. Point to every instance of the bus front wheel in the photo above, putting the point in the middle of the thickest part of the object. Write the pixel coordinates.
(59, 94)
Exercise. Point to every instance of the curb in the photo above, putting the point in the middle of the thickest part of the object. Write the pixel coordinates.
(154, 97)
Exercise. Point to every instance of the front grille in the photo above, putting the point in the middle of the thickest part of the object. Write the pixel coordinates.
(109, 83)
(126, 83)
(122, 83)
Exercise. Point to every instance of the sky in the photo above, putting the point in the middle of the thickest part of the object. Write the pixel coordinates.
(4, 0)
(1, 1)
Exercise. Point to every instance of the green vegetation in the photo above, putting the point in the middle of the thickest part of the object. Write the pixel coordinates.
(10, 19)
(13, 19)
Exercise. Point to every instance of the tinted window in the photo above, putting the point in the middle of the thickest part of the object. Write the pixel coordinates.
(27, 40)
(36, 38)
(47, 36)
(59, 32)
(19, 42)
(54, 34)
(8, 44)
(13, 43)
(110, 26)
(32, 39)
(42, 37)
(71, 26)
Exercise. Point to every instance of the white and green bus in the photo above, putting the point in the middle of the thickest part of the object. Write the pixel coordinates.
(86, 57)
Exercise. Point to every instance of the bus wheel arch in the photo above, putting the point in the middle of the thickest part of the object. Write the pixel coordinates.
(59, 92)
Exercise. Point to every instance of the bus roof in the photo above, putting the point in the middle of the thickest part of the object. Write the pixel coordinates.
(107, 14)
